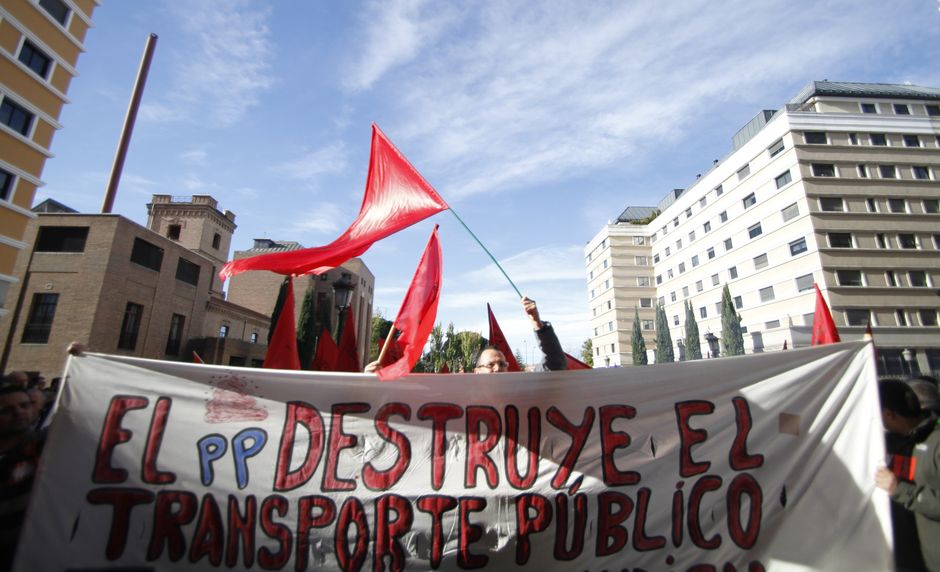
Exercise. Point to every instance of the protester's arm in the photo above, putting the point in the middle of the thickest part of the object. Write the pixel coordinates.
(372, 367)
(548, 342)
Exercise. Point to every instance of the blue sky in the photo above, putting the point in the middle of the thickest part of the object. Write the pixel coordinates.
(537, 122)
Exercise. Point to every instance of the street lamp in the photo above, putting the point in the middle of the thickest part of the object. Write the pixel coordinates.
(342, 292)
(712, 339)
(681, 346)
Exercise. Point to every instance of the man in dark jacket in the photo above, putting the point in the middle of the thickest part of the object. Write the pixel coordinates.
(491, 360)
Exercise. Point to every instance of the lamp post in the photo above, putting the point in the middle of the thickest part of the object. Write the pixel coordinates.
(681, 346)
(342, 291)
(712, 340)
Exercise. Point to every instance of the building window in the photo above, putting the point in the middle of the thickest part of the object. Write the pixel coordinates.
(783, 179)
(642, 261)
(921, 172)
(642, 280)
(749, 200)
(710, 252)
(610, 326)
(659, 279)
(15, 116)
(936, 241)
(692, 237)
(831, 204)
(897, 205)
(754, 231)
(254, 337)
(707, 227)
(130, 326)
(849, 277)
(772, 324)
(656, 259)
(881, 241)
(744, 172)
(933, 110)
(878, 139)
(857, 317)
(853, 139)
(714, 280)
(675, 319)
(703, 312)
(733, 272)
(35, 59)
(869, 108)
(798, 246)
(217, 240)
(699, 286)
(702, 202)
(675, 221)
(824, 170)
(57, 9)
(911, 141)
(888, 171)
(678, 244)
(639, 240)
(607, 284)
(804, 282)
(901, 317)
(688, 212)
(901, 109)
(39, 323)
(728, 244)
(815, 137)
(667, 252)
(928, 317)
(776, 148)
(719, 190)
(790, 212)
(672, 296)
(646, 302)
(918, 278)
(187, 272)
(6, 185)
(223, 331)
(890, 278)
(840, 240)
(760, 261)
(931, 206)
(173, 231)
(738, 302)
(723, 216)
(695, 261)
(147, 255)
(175, 337)
(61, 239)
(685, 291)
(681, 267)
(862, 172)
(907, 240)
(871, 204)
(647, 325)
(766, 294)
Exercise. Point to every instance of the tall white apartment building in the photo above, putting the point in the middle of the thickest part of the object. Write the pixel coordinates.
(838, 188)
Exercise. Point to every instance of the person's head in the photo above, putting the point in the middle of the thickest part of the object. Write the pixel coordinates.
(16, 411)
(927, 394)
(900, 409)
(491, 360)
(37, 399)
(18, 378)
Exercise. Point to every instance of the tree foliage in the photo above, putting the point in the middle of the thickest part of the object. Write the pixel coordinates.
(732, 340)
(637, 343)
(693, 345)
(587, 352)
(664, 353)
(278, 304)
(380, 329)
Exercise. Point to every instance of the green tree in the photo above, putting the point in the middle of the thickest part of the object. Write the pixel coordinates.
(587, 352)
(637, 343)
(664, 353)
(307, 331)
(470, 344)
(693, 345)
(519, 359)
(452, 349)
(732, 340)
(380, 329)
(435, 357)
(278, 304)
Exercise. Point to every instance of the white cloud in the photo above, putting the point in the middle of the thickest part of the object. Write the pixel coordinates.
(196, 156)
(319, 218)
(330, 159)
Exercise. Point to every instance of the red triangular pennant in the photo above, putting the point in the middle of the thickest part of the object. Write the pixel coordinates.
(824, 329)
(415, 319)
(498, 341)
(444, 368)
(575, 363)
(327, 353)
(348, 353)
(282, 349)
(396, 197)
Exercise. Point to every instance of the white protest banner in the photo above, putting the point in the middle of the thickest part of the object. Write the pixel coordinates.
(754, 463)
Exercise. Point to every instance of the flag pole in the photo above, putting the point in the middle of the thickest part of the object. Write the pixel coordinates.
(388, 339)
(486, 251)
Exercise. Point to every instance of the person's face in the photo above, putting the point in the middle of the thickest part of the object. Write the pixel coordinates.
(491, 361)
(16, 413)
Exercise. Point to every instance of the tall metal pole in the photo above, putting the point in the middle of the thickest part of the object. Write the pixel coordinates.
(129, 121)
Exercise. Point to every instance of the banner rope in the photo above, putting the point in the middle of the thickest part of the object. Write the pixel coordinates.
(493, 258)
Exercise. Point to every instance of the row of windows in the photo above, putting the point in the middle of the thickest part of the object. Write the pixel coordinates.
(898, 108)
(874, 205)
(892, 278)
(869, 139)
(926, 317)
(903, 240)
(831, 170)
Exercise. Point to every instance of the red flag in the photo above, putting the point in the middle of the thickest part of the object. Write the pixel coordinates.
(498, 341)
(196, 358)
(824, 329)
(348, 359)
(282, 349)
(444, 368)
(327, 353)
(396, 197)
(575, 363)
(415, 319)
(393, 354)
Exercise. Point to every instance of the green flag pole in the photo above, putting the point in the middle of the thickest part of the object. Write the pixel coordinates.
(486, 251)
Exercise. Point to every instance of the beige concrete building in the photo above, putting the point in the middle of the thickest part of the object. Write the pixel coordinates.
(40, 41)
(838, 188)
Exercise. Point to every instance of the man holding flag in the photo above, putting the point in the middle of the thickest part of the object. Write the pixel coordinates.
(493, 358)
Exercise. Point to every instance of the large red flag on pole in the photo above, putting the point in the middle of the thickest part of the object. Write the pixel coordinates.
(824, 329)
(282, 349)
(415, 319)
(396, 197)
(348, 353)
(327, 353)
(498, 341)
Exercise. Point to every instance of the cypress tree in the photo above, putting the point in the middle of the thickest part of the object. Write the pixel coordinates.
(693, 346)
(731, 337)
(637, 342)
(664, 353)
(306, 331)
(278, 304)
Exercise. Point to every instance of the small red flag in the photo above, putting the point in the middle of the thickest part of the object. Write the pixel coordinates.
(396, 197)
(282, 349)
(444, 368)
(575, 363)
(196, 358)
(348, 359)
(824, 329)
(415, 319)
(498, 341)
(327, 353)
